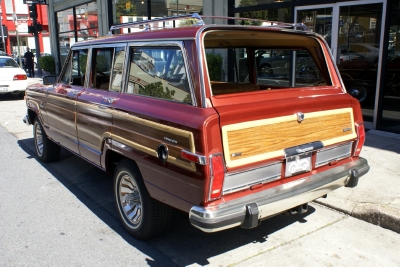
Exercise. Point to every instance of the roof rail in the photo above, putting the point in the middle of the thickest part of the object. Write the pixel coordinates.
(148, 24)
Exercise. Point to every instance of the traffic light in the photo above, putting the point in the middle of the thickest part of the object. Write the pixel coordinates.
(33, 11)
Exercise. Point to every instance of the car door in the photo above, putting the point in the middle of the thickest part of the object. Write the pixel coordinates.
(61, 104)
(94, 104)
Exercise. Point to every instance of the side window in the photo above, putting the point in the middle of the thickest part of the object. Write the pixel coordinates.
(66, 77)
(116, 76)
(101, 68)
(75, 72)
(158, 72)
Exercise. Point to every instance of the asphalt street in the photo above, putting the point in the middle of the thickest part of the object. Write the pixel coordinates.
(62, 214)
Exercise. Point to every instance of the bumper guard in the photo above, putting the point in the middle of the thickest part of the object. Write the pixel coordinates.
(249, 210)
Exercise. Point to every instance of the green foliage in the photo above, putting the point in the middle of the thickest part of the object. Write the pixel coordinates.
(47, 64)
(156, 90)
(188, 22)
(82, 63)
(102, 64)
(214, 64)
(120, 9)
(251, 14)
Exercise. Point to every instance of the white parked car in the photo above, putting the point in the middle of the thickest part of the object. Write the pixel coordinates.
(13, 79)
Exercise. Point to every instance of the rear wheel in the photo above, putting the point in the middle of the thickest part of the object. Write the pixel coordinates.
(359, 92)
(142, 216)
(265, 70)
(46, 150)
(308, 74)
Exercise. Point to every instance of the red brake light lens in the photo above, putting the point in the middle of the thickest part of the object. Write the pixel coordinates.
(361, 139)
(19, 77)
(217, 171)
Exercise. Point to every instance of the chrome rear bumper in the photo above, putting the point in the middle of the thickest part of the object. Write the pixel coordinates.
(277, 199)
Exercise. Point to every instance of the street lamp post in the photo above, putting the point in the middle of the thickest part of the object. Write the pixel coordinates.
(2, 32)
(16, 33)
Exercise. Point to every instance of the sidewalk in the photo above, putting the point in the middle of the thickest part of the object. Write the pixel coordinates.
(37, 78)
(376, 199)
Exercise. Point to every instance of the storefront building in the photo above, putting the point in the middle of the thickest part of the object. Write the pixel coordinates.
(15, 18)
(364, 37)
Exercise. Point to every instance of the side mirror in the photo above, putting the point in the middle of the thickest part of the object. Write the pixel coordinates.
(49, 80)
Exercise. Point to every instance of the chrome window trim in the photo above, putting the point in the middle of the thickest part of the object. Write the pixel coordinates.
(160, 45)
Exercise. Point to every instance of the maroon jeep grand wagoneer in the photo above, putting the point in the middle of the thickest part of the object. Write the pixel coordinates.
(232, 124)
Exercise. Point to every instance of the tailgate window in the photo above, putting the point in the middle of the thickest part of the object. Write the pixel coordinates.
(291, 68)
(245, 61)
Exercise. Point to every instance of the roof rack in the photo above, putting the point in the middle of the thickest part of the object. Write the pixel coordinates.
(153, 23)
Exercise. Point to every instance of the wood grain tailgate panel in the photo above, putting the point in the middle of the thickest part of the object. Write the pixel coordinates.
(259, 140)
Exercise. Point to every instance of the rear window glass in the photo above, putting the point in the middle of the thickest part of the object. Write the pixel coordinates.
(246, 61)
(8, 63)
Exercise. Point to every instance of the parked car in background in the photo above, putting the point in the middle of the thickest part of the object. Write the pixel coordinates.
(13, 79)
(177, 128)
(351, 50)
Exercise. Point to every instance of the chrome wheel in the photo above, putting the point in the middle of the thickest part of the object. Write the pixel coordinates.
(38, 140)
(46, 150)
(130, 200)
(358, 92)
(140, 214)
(265, 71)
(308, 74)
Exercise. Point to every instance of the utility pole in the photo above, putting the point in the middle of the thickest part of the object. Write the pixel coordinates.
(2, 31)
(16, 33)
(35, 30)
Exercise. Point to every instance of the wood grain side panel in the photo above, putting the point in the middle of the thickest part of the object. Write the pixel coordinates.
(259, 140)
(146, 136)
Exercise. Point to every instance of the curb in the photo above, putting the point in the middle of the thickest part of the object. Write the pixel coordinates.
(381, 215)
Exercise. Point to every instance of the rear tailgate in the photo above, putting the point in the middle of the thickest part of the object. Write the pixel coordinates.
(266, 130)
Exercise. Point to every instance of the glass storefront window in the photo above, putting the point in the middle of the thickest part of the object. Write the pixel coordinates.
(136, 10)
(86, 21)
(391, 91)
(242, 3)
(128, 11)
(358, 53)
(281, 15)
(73, 29)
(317, 20)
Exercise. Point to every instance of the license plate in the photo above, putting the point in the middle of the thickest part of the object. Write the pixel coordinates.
(3, 88)
(298, 164)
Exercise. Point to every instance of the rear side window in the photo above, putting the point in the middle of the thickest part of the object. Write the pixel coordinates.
(101, 67)
(158, 72)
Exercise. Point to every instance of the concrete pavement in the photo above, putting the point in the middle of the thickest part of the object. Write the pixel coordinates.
(376, 199)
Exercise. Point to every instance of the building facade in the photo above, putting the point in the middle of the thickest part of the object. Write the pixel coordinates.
(16, 19)
(364, 37)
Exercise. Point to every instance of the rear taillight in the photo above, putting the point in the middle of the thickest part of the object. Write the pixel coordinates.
(360, 139)
(217, 174)
(20, 77)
